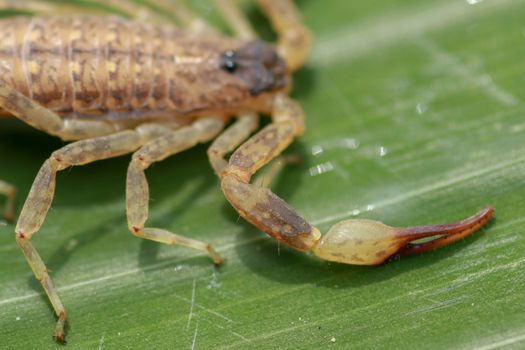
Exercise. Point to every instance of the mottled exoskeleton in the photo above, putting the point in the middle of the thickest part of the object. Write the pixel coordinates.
(114, 86)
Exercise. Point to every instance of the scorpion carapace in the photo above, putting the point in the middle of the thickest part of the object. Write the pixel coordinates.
(119, 87)
(258, 66)
(91, 66)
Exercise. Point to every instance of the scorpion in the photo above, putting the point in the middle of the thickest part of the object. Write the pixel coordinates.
(113, 86)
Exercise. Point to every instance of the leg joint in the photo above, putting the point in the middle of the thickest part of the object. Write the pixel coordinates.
(140, 160)
(21, 236)
(11, 191)
(136, 230)
(214, 152)
(239, 174)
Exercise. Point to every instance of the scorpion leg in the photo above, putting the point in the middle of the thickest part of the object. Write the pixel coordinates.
(294, 38)
(136, 11)
(186, 17)
(137, 191)
(272, 171)
(122, 7)
(236, 19)
(41, 195)
(153, 11)
(35, 7)
(78, 129)
(230, 139)
(363, 242)
(28, 110)
(46, 120)
(9, 191)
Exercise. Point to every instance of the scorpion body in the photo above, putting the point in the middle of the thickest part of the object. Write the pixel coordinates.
(116, 87)
(121, 71)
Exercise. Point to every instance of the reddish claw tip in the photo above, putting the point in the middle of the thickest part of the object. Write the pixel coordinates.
(59, 334)
(60, 338)
(448, 233)
(218, 261)
(367, 242)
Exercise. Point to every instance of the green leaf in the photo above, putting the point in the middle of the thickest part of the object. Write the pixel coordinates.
(414, 115)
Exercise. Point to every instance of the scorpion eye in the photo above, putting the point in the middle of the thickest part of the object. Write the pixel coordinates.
(230, 66)
(229, 61)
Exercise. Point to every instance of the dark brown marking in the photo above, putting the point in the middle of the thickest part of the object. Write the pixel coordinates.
(380, 253)
(268, 212)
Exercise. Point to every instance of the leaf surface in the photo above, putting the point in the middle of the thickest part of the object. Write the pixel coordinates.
(414, 115)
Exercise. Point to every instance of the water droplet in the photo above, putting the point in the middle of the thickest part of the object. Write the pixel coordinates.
(321, 169)
(517, 128)
(317, 150)
(349, 143)
(421, 108)
(18, 318)
(335, 143)
(486, 79)
(71, 244)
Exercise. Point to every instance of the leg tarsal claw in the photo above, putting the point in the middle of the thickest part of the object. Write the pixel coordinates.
(368, 242)
(167, 237)
(59, 334)
(217, 259)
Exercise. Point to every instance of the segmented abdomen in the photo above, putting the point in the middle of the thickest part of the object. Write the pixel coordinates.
(90, 65)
